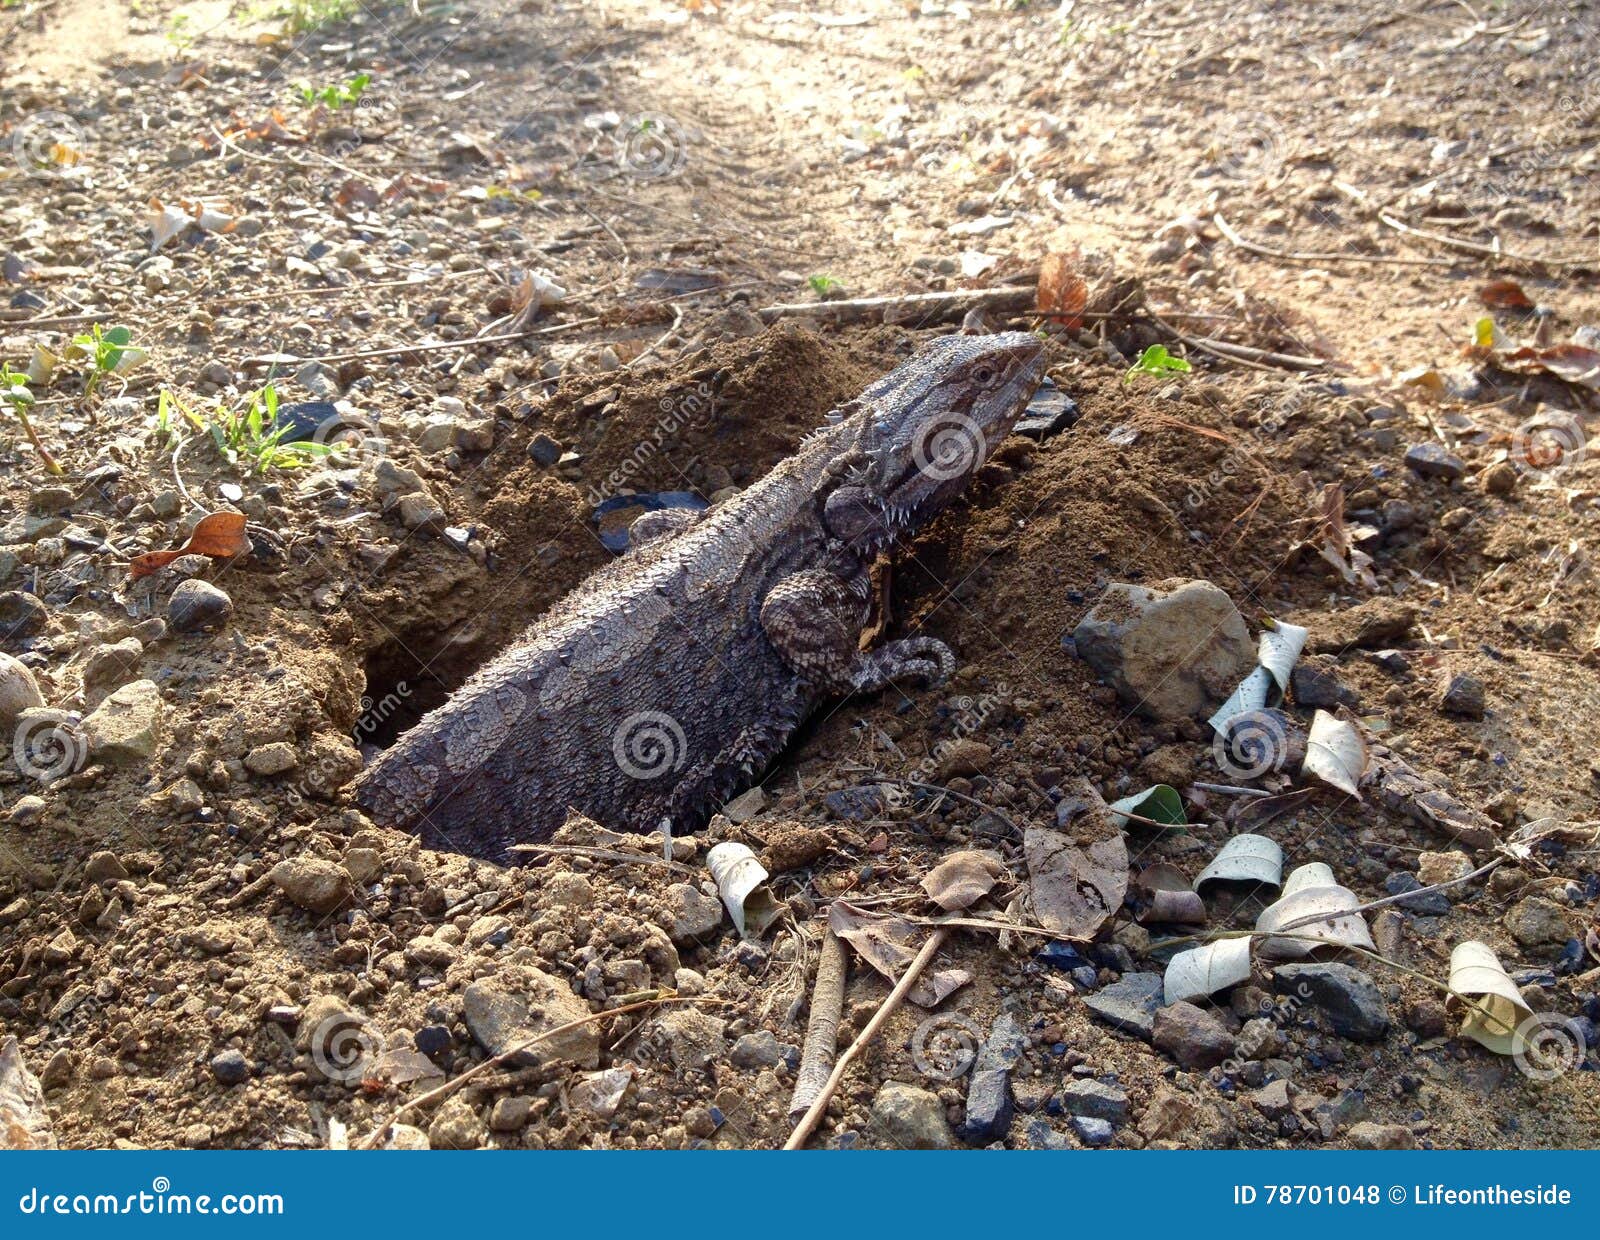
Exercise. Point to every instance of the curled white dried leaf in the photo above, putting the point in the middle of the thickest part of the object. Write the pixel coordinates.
(741, 882)
(1314, 897)
(1277, 651)
(1335, 753)
(1496, 1015)
(1202, 971)
(1245, 858)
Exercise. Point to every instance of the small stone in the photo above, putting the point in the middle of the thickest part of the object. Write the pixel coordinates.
(429, 952)
(419, 511)
(104, 867)
(1464, 696)
(27, 811)
(695, 1040)
(127, 726)
(432, 1040)
(455, 1127)
(272, 759)
(1371, 1136)
(1351, 1001)
(570, 891)
(746, 805)
(1537, 923)
(1319, 688)
(405, 1137)
(197, 605)
(1429, 904)
(1431, 460)
(1499, 479)
(1129, 1004)
(700, 1123)
(510, 1113)
(962, 757)
(1095, 1100)
(1172, 651)
(230, 1067)
(1260, 1038)
(21, 615)
(60, 950)
(1443, 867)
(1272, 1100)
(694, 914)
(1193, 1037)
(315, 885)
(761, 1050)
(108, 667)
(544, 450)
(1168, 1114)
(1093, 1132)
(910, 1118)
(1427, 1018)
(364, 865)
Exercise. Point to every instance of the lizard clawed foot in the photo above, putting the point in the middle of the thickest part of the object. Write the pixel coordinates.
(922, 658)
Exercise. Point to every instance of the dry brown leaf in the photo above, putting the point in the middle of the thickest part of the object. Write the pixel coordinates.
(1079, 876)
(1063, 292)
(1505, 295)
(221, 536)
(963, 878)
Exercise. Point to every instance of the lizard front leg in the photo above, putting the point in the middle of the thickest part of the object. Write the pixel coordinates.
(814, 619)
(662, 523)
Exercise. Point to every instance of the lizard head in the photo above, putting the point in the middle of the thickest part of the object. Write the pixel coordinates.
(927, 428)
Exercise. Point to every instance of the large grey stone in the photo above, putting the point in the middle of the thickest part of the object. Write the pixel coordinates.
(1172, 651)
(910, 1118)
(519, 1003)
(1351, 1001)
(1129, 1004)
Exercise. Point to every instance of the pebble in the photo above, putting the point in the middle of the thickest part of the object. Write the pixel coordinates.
(510, 1113)
(197, 605)
(109, 666)
(762, 1050)
(989, 1102)
(230, 1067)
(695, 1039)
(1538, 923)
(1351, 1001)
(1430, 904)
(271, 759)
(1192, 1036)
(544, 450)
(1129, 1004)
(1427, 1018)
(694, 914)
(962, 757)
(1318, 688)
(519, 1002)
(1093, 1132)
(315, 885)
(1095, 1100)
(104, 867)
(432, 1040)
(910, 1118)
(21, 615)
(127, 726)
(455, 1127)
(1431, 460)
(1464, 696)
(26, 811)
(1371, 1136)
(1499, 479)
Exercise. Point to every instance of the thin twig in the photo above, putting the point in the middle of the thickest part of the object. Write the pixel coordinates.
(1485, 251)
(1304, 256)
(1231, 790)
(813, 1115)
(604, 854)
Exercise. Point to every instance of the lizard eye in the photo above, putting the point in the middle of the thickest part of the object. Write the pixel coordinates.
(984, 375)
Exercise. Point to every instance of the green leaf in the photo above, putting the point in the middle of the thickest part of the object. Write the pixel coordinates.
(1156, 360)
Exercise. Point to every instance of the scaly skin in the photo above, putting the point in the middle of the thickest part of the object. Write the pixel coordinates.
(666, 681)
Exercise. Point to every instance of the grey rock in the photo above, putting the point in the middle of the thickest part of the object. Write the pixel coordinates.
(520, 1002)
(456, 1126)
(230, 1067)
(21, 615)
(989, 1108)
(1351, 1001)
(1319, 688)
(197, 605)
(694, 914)
(1431, 460)
(761, 1050)
(694, 1039)
(127, 726)
(316, 885)
(1095, 1100)
(1093, 1132)
(910, 1118)
(1129, 1004)
(544, 450)
(1464, 696)
(1432, 904)
(1043, 1137)
(108, 667)
(1536, 923)
(1173, 651)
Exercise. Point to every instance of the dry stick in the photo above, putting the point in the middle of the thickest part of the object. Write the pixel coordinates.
(927, 307)
(494, 1061)
(822, 1026)
(1231, 790)
(1261, 359)
(1485, 251)
(605, 854)
(809, 1120)
(1304, 256)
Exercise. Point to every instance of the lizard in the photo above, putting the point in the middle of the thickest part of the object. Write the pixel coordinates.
(673, 675)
